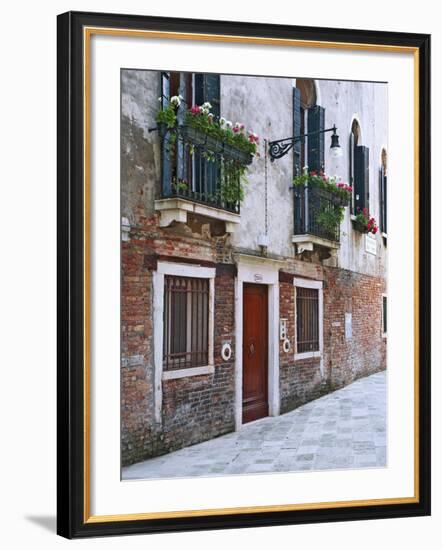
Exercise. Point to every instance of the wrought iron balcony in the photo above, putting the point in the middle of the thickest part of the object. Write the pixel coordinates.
(200, 168)
(312, 206)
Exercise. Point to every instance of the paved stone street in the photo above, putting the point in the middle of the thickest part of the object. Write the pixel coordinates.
(345, 429)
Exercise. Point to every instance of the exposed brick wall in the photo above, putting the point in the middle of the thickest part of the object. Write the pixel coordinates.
(344, 360)
(202, 407)
(198, 408)
(365, 353)
(137, 432)
(195, 408)
(300, 381)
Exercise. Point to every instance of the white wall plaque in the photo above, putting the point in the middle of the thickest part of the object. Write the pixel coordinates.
(348, 329)
(370, 244)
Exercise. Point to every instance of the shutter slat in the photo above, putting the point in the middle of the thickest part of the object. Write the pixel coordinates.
(212, 92)
(361, 174)
(165, 165)
(316, 121)
(297, 131)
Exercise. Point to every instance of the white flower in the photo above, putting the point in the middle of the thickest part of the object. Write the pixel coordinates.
(207, 105)
(222, 121)
(175, 100)
(160, 99)
(228, 124)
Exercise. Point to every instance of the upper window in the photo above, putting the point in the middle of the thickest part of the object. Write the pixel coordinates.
(190, 169)
(383, 192)
(186, 322)
(359, 176)
(308, 118)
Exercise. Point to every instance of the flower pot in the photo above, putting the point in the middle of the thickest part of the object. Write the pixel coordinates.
(358, 226)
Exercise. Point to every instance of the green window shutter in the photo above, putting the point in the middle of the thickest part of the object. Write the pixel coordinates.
(212, 92)
(383, 200)
(165, 165)
(297, 131)
(315, 123)
(207, 88)
(361, 175)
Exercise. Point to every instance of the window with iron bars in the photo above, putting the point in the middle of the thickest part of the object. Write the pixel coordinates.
(307, 319)
(186, 322)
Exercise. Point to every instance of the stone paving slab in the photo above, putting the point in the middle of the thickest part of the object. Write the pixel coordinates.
(344, 429)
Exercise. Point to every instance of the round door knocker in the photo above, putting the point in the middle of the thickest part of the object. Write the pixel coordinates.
(286, 345)
(226, 351)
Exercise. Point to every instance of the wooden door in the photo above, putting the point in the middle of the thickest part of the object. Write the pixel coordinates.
(255, 352)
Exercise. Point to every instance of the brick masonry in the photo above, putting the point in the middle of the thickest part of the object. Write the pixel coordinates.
(195, 408)
(345, 360)
(198, 408)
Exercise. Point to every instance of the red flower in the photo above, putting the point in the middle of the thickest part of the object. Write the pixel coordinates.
(313, 173)
(195, 110)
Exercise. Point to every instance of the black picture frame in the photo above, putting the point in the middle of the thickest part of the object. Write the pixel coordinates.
(72, 394)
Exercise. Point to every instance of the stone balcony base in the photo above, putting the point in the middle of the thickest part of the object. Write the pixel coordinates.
(176, 210)
(308, 243)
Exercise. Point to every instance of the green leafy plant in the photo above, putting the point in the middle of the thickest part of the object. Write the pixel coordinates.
(234, 171)
(322, 181)
(365, 222)
(329, 214)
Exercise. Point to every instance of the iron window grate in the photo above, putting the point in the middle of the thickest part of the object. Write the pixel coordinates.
(186, 322)
(307, 319)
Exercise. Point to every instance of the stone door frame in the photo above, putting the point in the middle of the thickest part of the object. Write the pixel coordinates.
(258, 270)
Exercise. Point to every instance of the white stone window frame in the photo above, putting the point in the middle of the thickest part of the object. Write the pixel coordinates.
(318, 285)
(384, 334)
(179, 270)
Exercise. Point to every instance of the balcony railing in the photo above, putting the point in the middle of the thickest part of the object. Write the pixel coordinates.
(312, 204)
(201, 168)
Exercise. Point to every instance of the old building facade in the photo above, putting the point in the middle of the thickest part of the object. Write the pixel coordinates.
(230, 314)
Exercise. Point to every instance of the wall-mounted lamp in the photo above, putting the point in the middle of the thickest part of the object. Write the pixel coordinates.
(281, 147)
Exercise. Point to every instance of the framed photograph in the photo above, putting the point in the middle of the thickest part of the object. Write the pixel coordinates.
(243, 274)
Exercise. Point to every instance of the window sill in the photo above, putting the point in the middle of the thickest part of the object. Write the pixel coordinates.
(308, 355)
(184, 373)
(177, 209)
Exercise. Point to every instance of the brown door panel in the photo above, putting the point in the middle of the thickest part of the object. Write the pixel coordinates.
(255, 352)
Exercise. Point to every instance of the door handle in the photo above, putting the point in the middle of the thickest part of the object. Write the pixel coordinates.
(252, 349)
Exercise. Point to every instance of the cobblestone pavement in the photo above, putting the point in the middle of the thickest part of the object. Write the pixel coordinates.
(344, 429)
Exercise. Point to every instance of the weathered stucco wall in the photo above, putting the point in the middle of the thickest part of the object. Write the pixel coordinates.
(264, 105)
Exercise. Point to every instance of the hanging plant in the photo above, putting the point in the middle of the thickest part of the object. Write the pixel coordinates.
(335, 195)
(340, 192)
(219, 138)
(364, 222)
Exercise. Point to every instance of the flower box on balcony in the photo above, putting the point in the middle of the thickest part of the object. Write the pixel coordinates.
(215, 144)
(235, 153)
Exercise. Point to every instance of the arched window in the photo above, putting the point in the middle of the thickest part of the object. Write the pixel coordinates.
(383, 192)
(359, 168)
(308, 118)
